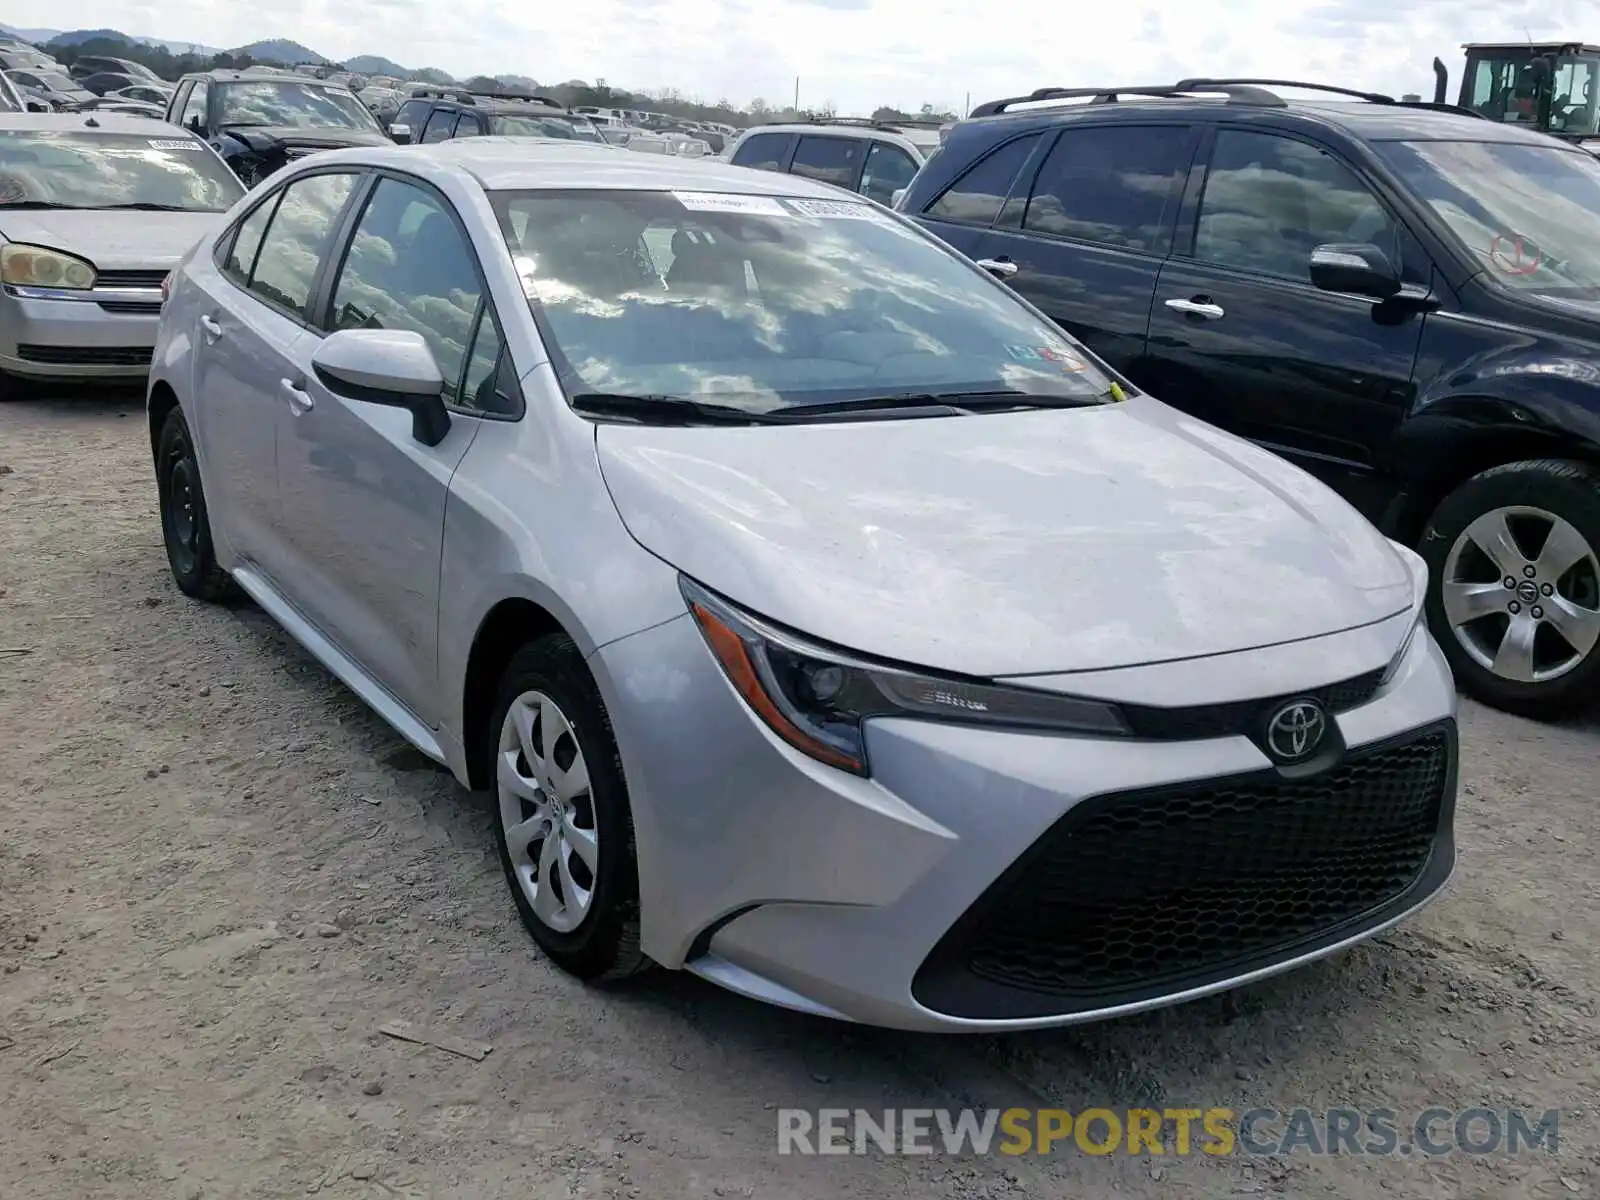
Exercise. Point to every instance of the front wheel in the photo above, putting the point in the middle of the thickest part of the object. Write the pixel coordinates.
(185, 523)
(1514, 594)
(562, 817)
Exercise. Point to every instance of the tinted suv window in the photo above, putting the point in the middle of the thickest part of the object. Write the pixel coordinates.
(1270, 200)
(409, 267)
(831, 159)
(1109, 184)
(764, 151)
(194, 108)
(241, 258)
(977, 195)
(888, 169)
(440, 125)
(298, 240)
(412, 114)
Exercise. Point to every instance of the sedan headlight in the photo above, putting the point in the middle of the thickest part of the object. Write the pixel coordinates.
(35, 266)
(818, 699)
(1418, 570)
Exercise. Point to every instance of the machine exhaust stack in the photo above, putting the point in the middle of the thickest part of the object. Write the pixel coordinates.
(1441, 81)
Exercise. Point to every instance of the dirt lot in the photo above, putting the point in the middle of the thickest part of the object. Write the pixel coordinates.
(219, 875)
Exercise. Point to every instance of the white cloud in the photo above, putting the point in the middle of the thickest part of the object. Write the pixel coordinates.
(861, 53)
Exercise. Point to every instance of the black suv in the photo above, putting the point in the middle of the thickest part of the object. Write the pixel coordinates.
(439, 114)
(259, 121)
(1401, 297)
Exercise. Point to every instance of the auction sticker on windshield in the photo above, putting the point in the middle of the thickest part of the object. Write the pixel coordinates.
(175, 144)
(835, 210)
(729, 202)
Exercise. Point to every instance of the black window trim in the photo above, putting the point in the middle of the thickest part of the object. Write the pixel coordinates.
(1026, 170)
(360, 174)
(333, 266)
(1163, 247)
(225, 243)
(1187, 237)
(855, 183)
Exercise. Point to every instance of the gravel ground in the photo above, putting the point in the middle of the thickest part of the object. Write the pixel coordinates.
(220, 874)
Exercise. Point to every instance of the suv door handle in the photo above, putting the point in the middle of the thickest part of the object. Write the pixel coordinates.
(1003, 268)
(299, 399)
(213, 331)
(1197, 308)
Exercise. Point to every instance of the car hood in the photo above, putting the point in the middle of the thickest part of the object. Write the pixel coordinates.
(320, 139)
(112, 240)
(1038, 542)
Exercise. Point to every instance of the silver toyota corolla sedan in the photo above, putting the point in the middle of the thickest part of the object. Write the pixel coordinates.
(825, 622)
(95, 209)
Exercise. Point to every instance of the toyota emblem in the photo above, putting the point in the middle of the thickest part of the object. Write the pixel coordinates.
(1296, 730)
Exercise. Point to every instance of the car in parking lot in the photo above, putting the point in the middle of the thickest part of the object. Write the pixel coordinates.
(1403, 298)
(875, 158)
(438, 114)
(61, 92)
(94, 211)
(823, 619)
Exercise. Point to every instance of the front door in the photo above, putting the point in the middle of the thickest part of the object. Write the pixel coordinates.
(1241, 338)
(363, 501)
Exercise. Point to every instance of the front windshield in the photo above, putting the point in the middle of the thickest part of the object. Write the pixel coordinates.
(1502, 89)
(285, 104)
(1529, 213)
(57, 82)
(765, 303)
(78, 169)
(550, 125)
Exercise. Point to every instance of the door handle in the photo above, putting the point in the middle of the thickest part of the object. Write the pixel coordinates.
(1197, 308)
(1002, 267)
(299, 399)
(213, 331)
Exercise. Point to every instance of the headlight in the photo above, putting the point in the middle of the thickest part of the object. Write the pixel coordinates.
(817, 699)
(34, 266)
(1419, 597)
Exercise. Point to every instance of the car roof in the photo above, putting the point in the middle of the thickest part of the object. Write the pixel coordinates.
(253, 75)
(103, 123)
(516, 163)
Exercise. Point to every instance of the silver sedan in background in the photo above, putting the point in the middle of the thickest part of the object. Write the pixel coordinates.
(823, 619)
(95, 209)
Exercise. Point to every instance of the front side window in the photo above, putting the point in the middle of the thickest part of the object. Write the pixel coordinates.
(765, 303)
(412, 113)
(976, 196)
(194, 108)
(1270, 201)
(1114, 184)
(829, 159)
(763, 151)
(441, 125)
(298, 239)
(888, 169)
(409, 267)
(467, 125)
(78, 168)
(293, 105)
(1527, 212)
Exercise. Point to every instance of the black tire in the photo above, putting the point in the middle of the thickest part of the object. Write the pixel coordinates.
(1567, 490)
(604, 946)
(185, 524)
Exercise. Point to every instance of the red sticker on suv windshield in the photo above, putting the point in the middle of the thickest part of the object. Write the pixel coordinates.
(1513, 254)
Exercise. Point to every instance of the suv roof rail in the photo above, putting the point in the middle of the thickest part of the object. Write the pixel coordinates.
(1236, 91)
(463, 96)
(861, 122)
(1369, 97)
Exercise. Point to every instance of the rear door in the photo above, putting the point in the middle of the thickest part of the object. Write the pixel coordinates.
(1240, 337)
(969, 207)
(1089, 240)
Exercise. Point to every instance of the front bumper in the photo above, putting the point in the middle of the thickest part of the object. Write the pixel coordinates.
(107, 333)
(942, 893)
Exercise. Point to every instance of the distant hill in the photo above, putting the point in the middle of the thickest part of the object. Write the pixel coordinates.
(281, 50)
(375, 64)
(36, 36)
(77, 37)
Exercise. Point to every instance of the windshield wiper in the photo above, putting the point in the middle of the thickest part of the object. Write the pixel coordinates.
(16, 205)
(986, 400)
(139, 206)
(655, 409)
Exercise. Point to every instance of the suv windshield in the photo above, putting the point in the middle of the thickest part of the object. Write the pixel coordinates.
(1529, 213)
(282, 103)
(764, 303)
(79, 169)
(550, 125)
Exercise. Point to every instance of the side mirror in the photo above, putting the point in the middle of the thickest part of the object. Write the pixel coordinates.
(392, 367)
(401, 134)
(898, 195)
(1358, 268)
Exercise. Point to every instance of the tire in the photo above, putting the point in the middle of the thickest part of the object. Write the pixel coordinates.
(597, 941)
(1543, 504)
(185, 523)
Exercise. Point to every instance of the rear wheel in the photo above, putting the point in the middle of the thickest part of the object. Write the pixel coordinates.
(562, 818)
(185, 524)
(1514, 596)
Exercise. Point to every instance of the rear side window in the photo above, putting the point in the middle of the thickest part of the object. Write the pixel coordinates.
(298, 239)
(1110, 184)
(828, 159)
(764, 151)
(440, 126)
(468, 125)
(976, 196)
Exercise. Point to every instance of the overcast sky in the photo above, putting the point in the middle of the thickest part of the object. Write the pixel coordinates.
(861, 53)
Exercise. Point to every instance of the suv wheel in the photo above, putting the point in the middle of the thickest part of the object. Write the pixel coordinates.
(562, 818)
(1514, 598)
(185, 524)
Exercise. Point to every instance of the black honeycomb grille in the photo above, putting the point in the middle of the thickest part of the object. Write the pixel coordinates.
(1139, 894)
